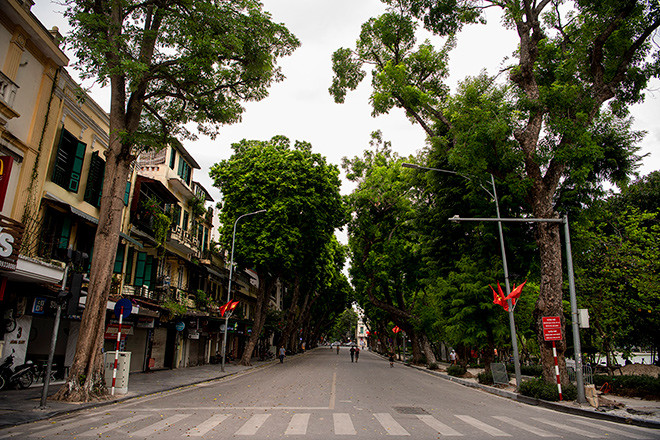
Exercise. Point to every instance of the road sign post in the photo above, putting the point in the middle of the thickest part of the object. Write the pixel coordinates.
(552, 332)
(122, 307)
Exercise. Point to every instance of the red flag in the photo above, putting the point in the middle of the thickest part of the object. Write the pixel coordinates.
(223, 309)
(515, 293)
(396, 329)
(232, 305)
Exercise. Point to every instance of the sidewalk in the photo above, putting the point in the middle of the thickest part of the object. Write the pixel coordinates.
(635, 411)
(22, 406)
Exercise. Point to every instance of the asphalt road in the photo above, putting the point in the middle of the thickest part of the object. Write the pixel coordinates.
(323, 395)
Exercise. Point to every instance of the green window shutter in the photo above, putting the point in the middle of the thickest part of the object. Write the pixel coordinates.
(180, 170)
(148, 271)
(65, 234)
(61, 158)
(172, 158)
(139, 268)
(129, 266)
(119, 258)
(127, 193)
(76, 168)
(95, 180)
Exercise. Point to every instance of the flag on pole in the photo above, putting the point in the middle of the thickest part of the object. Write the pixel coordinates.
(501, 300)
(396, 329)
(230, 306)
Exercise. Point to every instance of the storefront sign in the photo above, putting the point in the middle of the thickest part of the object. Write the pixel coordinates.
(11, 234)
(145, 322)
(39, 306)
(193, 334)
(180, 326)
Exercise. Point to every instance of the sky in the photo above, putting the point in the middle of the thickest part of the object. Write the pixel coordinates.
(301, 108)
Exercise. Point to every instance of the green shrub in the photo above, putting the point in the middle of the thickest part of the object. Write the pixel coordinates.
(485, 378)
(633, 386)
(543, 390)
(456, 370)
(433, 366)
(531, 370)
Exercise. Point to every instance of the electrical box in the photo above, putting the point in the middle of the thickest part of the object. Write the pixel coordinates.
(123, 369)
(583, 318)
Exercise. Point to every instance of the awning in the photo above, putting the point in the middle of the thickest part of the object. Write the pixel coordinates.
(88, 217)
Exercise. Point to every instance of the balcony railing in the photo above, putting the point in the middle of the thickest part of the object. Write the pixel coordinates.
(8, 89)
(180, 235)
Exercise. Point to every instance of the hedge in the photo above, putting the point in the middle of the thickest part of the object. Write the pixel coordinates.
(543, 390)
(633, 386)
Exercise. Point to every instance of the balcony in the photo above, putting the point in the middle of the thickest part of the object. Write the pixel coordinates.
(182, 240)
(8, 90)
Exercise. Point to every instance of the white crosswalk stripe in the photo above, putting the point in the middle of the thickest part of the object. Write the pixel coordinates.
(298, 425)
(93, 432)
(252, 426)
(66, 426)
(206, 426)
(158, 426)
(343, 424)
(483, 426)
(390, 425)
(607, 428)
(524, 426)
(568, 428)
(440, 427)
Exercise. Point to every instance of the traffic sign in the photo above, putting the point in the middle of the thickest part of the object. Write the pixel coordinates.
(123, 307)
(552, 328)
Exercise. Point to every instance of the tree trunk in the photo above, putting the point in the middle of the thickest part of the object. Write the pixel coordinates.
(427, 349)
(550, 299)
(292, 311)
(260, 313)
(86, 380)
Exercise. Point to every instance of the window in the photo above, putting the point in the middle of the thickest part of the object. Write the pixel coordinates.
(129, 266)
(68, 162)
(95, 180)
(184, 171)
(172, 158)
(184, 224)
(119, 259)
(127, 193)
(175, 212)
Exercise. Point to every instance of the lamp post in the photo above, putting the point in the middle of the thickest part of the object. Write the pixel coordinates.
(512, 322)
(231, 273)
(571, 287)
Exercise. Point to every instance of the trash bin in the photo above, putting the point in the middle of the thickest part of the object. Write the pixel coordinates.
(123, 369)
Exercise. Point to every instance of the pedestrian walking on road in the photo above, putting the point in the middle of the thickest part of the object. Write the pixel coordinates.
(337, 348)
(282, 354)
(357, 353)
(453, 357)
(352, 353)
(391, 360)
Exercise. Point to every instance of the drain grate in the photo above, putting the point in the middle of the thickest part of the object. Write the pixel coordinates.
(409, 410)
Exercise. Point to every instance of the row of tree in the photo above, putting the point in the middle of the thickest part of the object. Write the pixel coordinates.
(293, 241)
(551, 128)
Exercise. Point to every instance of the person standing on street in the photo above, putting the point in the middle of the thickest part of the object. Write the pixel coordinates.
(352, 353)
(357, 353)
(453, 357)
(282, 354)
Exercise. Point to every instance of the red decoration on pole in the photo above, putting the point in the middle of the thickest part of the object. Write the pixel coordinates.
(501, 300)
(396, 329)
(231, 305)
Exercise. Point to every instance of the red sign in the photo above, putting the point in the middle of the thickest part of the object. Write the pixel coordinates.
(552, 328)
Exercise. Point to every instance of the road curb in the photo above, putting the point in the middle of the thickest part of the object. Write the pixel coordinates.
(543, 403)
(102, 403)
(536, 402)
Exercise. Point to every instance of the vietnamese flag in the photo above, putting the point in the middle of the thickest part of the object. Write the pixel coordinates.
(232, 305)
(396, 329)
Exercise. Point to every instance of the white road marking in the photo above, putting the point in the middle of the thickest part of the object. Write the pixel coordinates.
(158, 426)
(93, 432)
(252, 426)
(333, 391)
(483, 426)
(343, 424)
(607, 428)
(568, 428)
(390, 425)
(526, 427)
(298, 424)
(59, 427)
(206, 425)
(440, 427)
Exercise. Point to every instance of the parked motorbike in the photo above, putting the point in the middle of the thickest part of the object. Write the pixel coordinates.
(21, 377)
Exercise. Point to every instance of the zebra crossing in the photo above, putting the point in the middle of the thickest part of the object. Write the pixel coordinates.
(285, 424)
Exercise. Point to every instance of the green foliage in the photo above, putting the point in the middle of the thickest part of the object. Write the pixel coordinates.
(175, 308)
(540, 389)
(196, 205)
(345, 326)
(433, 366)
(202, 300)
(485, 377)
(193, 74)
(456, 370)
(633, 386)
(527, 370)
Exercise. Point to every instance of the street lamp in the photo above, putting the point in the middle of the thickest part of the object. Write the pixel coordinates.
(571, 287)
(512, 322)
(231, 273)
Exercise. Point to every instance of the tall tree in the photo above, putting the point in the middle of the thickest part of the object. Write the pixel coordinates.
(572, 59)
(300, 191)
(167, 63)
